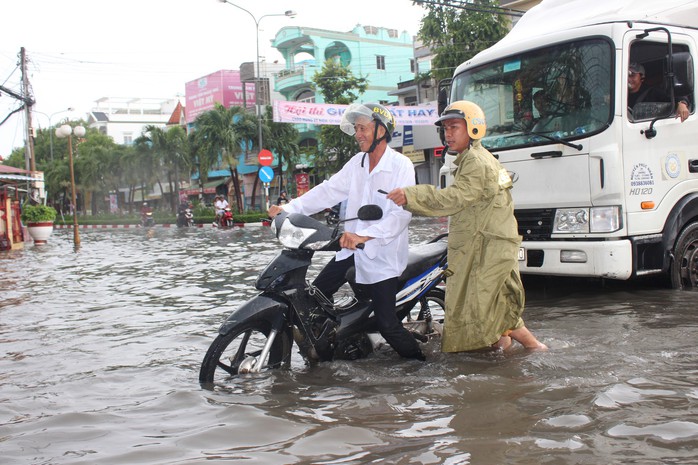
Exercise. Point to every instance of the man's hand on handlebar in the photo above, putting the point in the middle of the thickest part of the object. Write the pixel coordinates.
(350, 240)
(274, 210)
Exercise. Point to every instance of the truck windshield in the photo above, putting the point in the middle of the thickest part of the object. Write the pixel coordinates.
(561, 92)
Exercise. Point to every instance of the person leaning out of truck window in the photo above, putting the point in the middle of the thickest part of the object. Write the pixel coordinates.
(639, 91)
(484, 295)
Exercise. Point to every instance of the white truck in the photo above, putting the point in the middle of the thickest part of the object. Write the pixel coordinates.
(600, 189)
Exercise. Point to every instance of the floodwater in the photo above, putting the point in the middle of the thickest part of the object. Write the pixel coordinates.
(100, 352)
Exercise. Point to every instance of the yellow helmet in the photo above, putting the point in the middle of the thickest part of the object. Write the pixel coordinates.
(472, 114)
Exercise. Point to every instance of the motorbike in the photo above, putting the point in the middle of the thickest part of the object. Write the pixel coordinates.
(259, 335)
(147, 219)
(185, 217)
(225, 220)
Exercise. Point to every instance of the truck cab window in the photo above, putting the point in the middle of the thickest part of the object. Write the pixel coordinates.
(649, 89)
(562, 92)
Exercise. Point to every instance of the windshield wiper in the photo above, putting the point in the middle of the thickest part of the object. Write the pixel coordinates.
(556, 139)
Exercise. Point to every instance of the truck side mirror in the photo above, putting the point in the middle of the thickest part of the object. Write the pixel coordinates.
(683, 73)
(442, 99)
(442, 103)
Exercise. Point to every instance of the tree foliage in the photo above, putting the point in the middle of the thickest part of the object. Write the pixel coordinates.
(159, 156)
(336, 84)
(167, 152)
(456, 35)
(221, 136)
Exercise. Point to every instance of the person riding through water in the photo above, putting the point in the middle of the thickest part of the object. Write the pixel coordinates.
(220, 204)
(145, 209)
(360, 181)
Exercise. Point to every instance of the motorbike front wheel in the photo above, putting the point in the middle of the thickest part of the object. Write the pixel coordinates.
(235, 352)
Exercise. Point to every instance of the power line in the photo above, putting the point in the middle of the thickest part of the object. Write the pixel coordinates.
(467, 5)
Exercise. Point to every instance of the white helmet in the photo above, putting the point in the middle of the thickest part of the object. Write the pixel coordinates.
(373, 111)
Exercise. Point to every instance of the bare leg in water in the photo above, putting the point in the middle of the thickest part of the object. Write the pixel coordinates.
(523, 336)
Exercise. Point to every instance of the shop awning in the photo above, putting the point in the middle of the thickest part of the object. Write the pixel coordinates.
(209, 188)
(18, 177)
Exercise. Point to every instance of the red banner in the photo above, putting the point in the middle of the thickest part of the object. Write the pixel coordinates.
(302, 183)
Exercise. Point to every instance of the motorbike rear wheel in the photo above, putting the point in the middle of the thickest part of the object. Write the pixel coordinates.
(434, 301)
(239, 347)
(424, 320)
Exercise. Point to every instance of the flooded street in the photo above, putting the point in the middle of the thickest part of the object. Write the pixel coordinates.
(100, 353)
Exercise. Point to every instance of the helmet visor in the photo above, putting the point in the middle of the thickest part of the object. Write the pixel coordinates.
(351, 115)
(450, 114)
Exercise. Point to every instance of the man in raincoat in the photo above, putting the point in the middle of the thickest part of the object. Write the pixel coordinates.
(484, 296)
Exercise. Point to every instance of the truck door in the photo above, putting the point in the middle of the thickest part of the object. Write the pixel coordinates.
(660, 153)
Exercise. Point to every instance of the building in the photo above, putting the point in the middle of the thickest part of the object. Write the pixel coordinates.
(229, 88)
(383, 56)
(124, 119)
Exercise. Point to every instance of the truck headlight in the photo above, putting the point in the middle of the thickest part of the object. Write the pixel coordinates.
(587, 220)
(571, 220)
(605, 219)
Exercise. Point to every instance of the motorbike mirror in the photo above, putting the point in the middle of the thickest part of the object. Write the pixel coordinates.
(370, 213)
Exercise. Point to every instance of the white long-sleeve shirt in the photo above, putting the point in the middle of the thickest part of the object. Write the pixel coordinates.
(385, 256)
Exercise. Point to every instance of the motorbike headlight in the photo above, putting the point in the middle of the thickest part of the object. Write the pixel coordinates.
(292, 236)
(587, 220)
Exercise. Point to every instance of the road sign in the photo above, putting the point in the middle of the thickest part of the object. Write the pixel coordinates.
(265, 157)
(266, 174)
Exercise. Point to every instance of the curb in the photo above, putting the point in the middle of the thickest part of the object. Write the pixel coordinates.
(138, 226)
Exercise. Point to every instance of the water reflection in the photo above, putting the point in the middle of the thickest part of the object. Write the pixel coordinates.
(101, 350)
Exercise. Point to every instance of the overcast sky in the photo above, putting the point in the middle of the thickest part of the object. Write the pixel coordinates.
(83, 50)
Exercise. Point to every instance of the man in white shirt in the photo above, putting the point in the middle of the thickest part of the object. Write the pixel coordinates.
(363, 180)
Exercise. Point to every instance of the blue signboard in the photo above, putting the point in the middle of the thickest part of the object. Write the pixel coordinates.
(266, 174)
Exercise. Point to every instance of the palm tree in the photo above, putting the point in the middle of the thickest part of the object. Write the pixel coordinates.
(169, 148)
(221, 134)
(131, 172)
(147, 164)
(97, 166)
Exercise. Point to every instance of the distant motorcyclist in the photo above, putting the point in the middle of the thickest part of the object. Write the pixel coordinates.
(220, 204)
(184, 213)
(146, 215)
(283, 199)
(145, 209)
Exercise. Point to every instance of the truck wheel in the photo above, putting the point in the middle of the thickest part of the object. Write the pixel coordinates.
(684, 268)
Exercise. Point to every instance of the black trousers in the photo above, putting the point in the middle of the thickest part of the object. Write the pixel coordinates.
(382, 295)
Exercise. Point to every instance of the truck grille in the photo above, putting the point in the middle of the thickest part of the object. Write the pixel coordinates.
(535, 224)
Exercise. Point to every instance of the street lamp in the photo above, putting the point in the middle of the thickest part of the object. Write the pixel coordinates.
(288, 13)
(50, 129)
(62, 132)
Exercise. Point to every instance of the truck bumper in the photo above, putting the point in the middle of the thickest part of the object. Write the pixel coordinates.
(603, 259)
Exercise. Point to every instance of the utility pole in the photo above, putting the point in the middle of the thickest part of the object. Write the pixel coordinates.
(29, 140)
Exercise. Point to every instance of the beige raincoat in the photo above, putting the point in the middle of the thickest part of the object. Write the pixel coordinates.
(484, 296)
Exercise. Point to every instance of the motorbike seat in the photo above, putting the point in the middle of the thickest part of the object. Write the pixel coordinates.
(419, 259)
